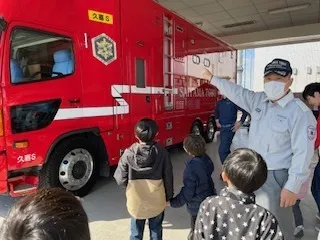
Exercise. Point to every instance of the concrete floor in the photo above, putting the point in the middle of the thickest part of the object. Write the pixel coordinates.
(109, 219)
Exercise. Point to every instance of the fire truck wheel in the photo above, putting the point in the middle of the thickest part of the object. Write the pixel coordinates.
(210, 131)
(72, 166)
(196, 128)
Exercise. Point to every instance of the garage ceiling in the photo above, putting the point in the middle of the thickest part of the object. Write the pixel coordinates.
(213, 15)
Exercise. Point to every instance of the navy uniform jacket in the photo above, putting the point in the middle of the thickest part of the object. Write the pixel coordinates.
(198, 184)
(226, 112)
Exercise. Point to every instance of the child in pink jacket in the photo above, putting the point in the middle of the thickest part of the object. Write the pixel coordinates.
(298, 232)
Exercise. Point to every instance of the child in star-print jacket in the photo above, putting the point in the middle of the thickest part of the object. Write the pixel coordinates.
(233, 215)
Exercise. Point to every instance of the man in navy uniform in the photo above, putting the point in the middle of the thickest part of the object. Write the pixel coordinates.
(226, 119)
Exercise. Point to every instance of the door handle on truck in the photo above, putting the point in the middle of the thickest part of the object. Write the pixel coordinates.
(74, 101)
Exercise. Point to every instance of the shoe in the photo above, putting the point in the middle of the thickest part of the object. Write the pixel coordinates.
(298, 232)
(318, 216)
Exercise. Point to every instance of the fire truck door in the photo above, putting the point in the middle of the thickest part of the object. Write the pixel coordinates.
(141, 100)
(44, 100)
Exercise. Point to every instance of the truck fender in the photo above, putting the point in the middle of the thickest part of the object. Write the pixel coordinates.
(94, 132)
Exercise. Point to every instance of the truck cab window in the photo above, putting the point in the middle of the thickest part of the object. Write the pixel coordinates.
(39, 56)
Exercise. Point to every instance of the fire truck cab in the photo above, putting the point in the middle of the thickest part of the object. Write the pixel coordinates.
(77, 75)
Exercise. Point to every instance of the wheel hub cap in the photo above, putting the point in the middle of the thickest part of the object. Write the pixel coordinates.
(196, 130)
(76, 169)
(210, 130)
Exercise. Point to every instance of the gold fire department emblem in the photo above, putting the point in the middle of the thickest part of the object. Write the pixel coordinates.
(104, 49)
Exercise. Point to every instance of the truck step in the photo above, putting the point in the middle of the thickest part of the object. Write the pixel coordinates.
(23, 185)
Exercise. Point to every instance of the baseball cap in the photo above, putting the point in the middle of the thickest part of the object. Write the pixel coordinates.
(278, 66)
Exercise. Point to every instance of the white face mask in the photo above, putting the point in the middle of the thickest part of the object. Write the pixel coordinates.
(274, 90)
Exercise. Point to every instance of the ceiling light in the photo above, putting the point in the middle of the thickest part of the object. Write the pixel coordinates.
(239, 24)
(289, 9)
(199, 24)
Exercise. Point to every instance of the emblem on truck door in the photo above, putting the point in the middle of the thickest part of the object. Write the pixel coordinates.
(104, 49)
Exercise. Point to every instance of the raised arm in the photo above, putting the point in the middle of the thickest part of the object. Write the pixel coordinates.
(242, 97)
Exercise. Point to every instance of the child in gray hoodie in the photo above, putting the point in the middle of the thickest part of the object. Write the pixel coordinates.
(145, 170)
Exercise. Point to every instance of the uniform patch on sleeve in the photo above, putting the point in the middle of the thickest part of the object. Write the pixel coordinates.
(311, 133)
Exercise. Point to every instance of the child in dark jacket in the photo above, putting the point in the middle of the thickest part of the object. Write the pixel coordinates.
(146, 171)
(197, 181)
(234, 215)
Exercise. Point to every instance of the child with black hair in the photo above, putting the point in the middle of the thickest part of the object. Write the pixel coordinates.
(197, 181)
(233, 214)
(49, 214)
(145, 170)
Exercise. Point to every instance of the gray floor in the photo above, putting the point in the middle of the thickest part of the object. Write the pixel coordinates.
(109, 218)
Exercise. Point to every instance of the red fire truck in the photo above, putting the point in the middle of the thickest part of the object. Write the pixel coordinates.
(77, 75)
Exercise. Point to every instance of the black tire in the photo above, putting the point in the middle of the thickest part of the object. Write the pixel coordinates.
(210, 131)
(196, 129)
(50, 175)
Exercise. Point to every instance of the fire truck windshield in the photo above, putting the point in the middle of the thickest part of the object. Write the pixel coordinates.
(35, 55)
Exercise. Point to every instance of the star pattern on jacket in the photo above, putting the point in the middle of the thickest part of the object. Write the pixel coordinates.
(234, 215)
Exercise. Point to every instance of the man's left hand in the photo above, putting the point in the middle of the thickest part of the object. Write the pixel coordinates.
(287, 199)
(236, 126)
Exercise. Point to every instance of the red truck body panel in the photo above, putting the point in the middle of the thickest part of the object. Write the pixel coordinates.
(127, 66)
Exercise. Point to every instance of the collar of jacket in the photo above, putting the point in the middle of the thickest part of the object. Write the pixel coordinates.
(193, 158)
(235, 194)
(283, 101)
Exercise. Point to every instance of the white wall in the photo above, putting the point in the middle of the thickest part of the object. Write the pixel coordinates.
(302, 56)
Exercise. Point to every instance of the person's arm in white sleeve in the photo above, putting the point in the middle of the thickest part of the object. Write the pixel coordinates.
(303, 136)
(242, 97)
